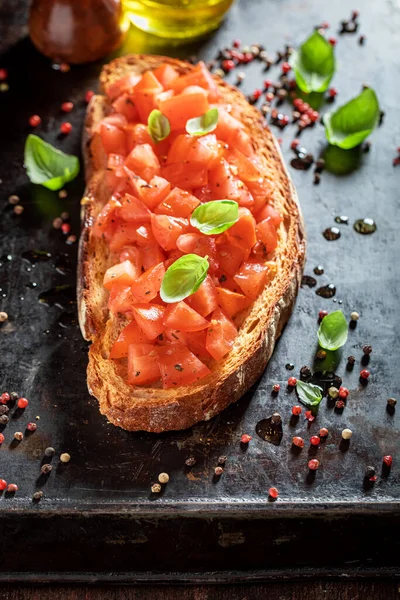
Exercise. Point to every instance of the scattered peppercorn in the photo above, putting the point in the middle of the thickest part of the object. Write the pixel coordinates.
(218, 471)
(354, 316)
(12, 488)
(364, 374)
(18, 209)
(275, 388)
(1, 438)
(3, 316)
(57, 222)
(313, 464)
(343, 392)
(65, 228)
(163, 478)
(13, 199)
(88, 96)
(3, 485)
(190, 462)
(321, 354)
(67, 106)
(240, 76)
(317, 178)
(351, 359)
(309, 416)
(294, 144)
(156, 488)
(346, 434)
(246, 438)
(4, 420)
(19, 436)
(31, 427)
(322, 314)
(333, 392)
(392, 402)
(388, 460)
(3, 74)
(305, 372)
(14, 396)
(65, 457)
(367, 349)
(62, 194)
(296, 410)
(315, 440)
(292, 381)
(320, 165)
(298, 441)
(49, 452)
(37, 495)
(222, 460)
(332, 41)
(370, 472)
(339, 404)
(361, 40)
(273, 493)
(5, 397)
(332, 93)
(65, 128)
(22, 403)
(4, 409)
(276, 418)
(34, 121)
(46, 469)
(323, 432)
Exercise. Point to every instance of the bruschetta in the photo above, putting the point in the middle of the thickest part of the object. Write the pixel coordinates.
(192, 244)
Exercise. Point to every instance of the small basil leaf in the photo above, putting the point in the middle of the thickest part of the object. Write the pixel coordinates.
(215, 217)
(183, 278)
(204, 124)
(309, 394)
(350, 124)
(313, 64)
(333, 330)
(47, 165)
(158, 126)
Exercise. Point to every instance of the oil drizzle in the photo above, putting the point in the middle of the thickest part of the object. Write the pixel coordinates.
(331, 234)
(61, 296)
(365, 226)
(319, 270)
(269, 431)
(326, 291)
(342, 219)
(309, 281)
(35, 256)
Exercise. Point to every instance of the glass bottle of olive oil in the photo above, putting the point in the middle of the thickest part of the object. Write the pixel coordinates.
(177, 19)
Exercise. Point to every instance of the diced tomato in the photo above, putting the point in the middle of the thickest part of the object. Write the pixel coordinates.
(204, 301)
(124, 273)
(143, 161)
(144, 236)
(145, 102)
(152, 255)
(166, 74)
(227, 127)
(125, 84)
(179, 109)
(120, 299)
(204, 193)
(223, 279)
(163, 96)
(133, 210)
(142, 364)
(251, 278)
(230, 302)
(137, 134)
(244, 231)
(181, 316)
(185, 176)
(158, 190)
(266, 233)
(202, 245)
(203, 151)
(248, 168)
(173, 256)
(196, 342)
(220, 335)
(230, 257)
(124, 235)
(134, 255)
(146, 288)
(262, 192)
(149, 81)
(270, 212)
(150, 318)
(224, 184)
(167, 229)
(200, 76)
(176, 335)
(179, 366)
(104, 225)
(124, 105)
(115, 162)
(131, 334)
(117, 120)
(178, 203)
(113, 139)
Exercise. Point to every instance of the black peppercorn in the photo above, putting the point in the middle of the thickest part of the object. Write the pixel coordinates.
(367, 349)
(14, 396)
(37, 495)
(4, 420)
(49, 451)
(317, 178)
(46, 468)
(392, 402)
(222, 460)
(320, 165)
(351, 359)
(305, 372)
(276, 418)
(4, 409)
(190, 462)
(370, 472)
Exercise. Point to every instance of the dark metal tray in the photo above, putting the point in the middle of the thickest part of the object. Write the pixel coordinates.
(98, 520)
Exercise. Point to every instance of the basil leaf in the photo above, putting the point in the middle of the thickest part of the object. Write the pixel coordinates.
(48, 165)
(308, 393)
(333, 330)
(313, 64)
(204, 124)
(158, 126)
(215, 217)
(350, 124)
(183, 278)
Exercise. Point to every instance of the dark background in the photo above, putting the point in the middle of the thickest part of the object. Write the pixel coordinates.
(45, 362)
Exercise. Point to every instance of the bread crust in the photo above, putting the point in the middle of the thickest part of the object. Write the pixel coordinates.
(154, 409)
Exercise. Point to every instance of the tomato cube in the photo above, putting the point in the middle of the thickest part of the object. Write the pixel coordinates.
(203, 152)
(133, 210)
(120, 299)
(167, 229)
(224, 184)
(125, 106)
(252, 278)
(124, 273)
(179, 366)
(166, 74)
(220, 335)
(204, 301)
(131, 334)
(150, 318)
(185, 176)
(147, 286)
(138, 134)
(200, 76)
(179, 109)
(270, 212)
(178, 203)
(266, 233)
(125, 84)
(244, 231)
(181, 316)
(113, 139)
(124, 235)
(231, 302)
(143, 161)
(142, 364)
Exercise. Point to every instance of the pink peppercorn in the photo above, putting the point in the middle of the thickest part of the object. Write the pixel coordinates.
(285, 67)
(298, 441)
(313, 464)
(309, 416)
(364, 374)
(273, 492)
(315, 440)
(388, 460)
(343, 392)
(292, 381)
(245, 439)
(296, 410)
(22, 403)
(322, 314)
(4, 398)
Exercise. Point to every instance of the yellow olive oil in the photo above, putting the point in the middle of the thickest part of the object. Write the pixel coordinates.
(177, 19)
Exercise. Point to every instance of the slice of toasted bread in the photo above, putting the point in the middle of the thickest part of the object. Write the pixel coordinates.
(151, 408)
